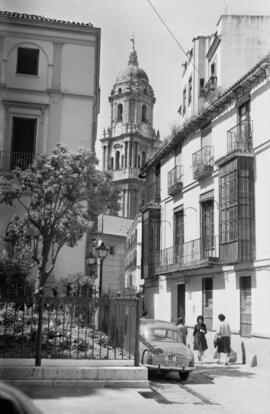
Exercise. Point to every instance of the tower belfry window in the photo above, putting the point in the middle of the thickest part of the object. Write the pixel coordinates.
(119, 112)
(144, 113)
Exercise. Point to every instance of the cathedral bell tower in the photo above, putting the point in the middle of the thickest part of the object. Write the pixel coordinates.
(130, 139)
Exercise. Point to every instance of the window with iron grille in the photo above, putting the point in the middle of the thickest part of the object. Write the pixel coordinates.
(27, 61)
(236, 192)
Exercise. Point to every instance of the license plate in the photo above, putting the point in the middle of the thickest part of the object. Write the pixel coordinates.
(170, 363)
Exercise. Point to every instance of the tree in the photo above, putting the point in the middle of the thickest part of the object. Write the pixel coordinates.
(61, 194)
(16, 260)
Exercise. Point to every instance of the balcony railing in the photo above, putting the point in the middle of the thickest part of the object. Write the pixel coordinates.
(125, 173)
(239, 138)
(11, 160)
(203, 162)
(175, 180)
(198, 252)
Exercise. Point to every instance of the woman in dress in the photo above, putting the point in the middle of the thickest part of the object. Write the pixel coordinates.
(223, 338)
(200, 343)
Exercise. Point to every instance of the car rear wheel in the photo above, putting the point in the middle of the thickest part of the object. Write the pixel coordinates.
(183, 375)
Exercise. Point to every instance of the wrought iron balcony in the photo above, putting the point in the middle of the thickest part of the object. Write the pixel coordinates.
(239, 138)
(11, 160)
(175, 180)
(203, 162)
(195, 253)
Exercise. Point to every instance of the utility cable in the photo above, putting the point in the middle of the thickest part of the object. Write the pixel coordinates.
(172, 34)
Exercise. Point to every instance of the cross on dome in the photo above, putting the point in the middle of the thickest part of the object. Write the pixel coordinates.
(133, 58)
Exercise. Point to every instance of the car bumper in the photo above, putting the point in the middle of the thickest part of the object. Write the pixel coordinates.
(169, 368)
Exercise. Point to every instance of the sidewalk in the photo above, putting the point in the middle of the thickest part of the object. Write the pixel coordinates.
(233, 388)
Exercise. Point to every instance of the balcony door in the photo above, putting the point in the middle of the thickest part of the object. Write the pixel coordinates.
(207, 228)
(23, 141)
(244, 127)
(178, 236)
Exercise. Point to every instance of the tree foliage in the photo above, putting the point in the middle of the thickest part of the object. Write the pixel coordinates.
(16, 260)
(61, 194)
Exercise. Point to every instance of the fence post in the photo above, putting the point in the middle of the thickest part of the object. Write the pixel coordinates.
(136, 351)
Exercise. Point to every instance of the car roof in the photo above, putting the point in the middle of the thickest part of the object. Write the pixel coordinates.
(156, 323)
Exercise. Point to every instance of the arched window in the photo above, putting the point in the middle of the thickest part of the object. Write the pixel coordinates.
(111, 163)
(117, 160)
(143, 158)
(144, 112)
(145, 91)
(119, 90)
(119, 112)
(122, 162)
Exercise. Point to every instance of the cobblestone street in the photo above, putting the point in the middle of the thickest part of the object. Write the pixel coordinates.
(211, 388)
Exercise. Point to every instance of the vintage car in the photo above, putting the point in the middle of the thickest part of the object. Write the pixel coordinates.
(161, 348)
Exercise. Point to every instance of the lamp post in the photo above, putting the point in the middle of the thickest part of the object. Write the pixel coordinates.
(102, 252)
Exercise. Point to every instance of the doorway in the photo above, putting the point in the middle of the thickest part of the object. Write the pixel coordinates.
(207, 301)
(245, 306)
(23, 141)
(181, 301)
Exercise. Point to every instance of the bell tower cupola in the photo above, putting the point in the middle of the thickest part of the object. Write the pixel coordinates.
(130, 138)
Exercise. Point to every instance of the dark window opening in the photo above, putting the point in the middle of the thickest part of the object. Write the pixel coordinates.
(119, 90)
(144, 113)
(112, 163)
(112, 250)
(189, 90)
(117, 160)
(213, 69)
(27, 61)
(119, 112)
(143, 158)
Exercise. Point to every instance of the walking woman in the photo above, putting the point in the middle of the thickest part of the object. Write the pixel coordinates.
(200, 343)
(223, 338)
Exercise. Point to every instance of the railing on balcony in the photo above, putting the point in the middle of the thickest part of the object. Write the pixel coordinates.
(11, 160)
(203, 251)
(125, 173)
(203, 162)
(175, 180)
(239, 138)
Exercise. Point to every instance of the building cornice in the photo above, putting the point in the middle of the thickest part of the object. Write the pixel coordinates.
(242, 87)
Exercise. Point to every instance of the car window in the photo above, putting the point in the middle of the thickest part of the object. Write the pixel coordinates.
(168, 335)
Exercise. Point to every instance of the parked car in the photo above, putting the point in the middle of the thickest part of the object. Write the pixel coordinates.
(161, 348)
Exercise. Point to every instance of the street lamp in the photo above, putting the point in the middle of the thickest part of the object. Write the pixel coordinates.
(102, 252)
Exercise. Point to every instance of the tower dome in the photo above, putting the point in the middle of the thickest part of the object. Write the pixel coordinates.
(133, 71)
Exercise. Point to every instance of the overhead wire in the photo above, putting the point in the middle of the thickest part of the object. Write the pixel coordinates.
(172, 34)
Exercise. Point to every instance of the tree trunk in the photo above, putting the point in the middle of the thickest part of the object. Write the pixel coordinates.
(39, 331)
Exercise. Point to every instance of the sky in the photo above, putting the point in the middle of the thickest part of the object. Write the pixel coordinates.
(158, 53)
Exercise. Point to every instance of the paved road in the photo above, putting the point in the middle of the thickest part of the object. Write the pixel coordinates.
(211, 389)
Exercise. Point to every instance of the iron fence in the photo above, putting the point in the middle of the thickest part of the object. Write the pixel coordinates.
(73, 327)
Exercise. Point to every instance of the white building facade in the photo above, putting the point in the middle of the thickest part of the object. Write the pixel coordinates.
(49, 95)
(205, 243)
